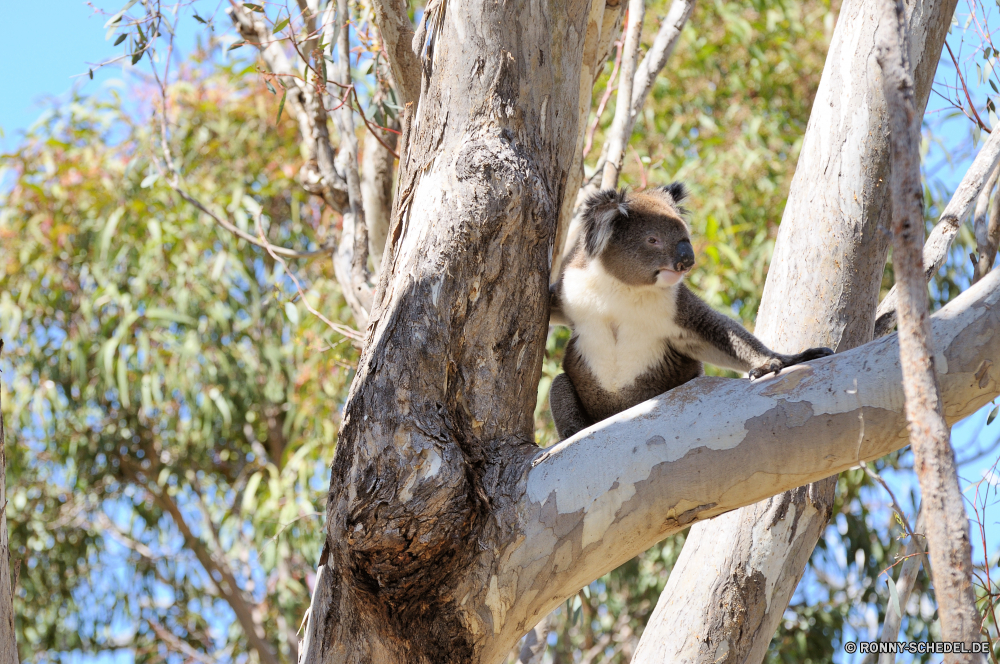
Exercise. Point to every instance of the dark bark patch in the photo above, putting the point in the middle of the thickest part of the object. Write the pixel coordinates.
(742, 607)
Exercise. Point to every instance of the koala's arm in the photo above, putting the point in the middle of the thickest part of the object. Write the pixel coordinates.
(725, 343)
(567, 409)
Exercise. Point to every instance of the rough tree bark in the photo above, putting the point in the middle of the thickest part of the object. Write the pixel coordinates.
(376, 191)
(8, 639)
(821, 290)
(934, 458)
(438, 425)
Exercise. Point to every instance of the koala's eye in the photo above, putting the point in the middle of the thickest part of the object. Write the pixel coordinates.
(653, 240)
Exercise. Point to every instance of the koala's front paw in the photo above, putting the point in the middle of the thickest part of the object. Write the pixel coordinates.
(774, 365)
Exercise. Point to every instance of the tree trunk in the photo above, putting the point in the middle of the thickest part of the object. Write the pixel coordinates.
(8, 639)
(438, 425)
(822, 290)
(933, 456)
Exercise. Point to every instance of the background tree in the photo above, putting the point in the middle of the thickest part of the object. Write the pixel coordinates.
(174, 400)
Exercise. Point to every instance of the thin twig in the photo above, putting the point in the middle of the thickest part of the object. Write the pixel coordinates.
(895, 504)
(979, 120)
(336, 327)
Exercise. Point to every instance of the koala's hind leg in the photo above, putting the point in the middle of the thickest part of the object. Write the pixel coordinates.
(567, 409)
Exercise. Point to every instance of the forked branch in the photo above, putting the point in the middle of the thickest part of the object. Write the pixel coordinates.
(936, 248)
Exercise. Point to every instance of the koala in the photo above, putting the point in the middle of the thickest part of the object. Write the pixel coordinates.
(638, 331)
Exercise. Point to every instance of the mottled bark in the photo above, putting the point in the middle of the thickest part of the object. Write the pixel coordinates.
(715, 444)
(563, 516)
(930, 437)
(8, 639)
(821, 290)
(394, 25)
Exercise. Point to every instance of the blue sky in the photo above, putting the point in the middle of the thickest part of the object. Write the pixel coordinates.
(50, 46)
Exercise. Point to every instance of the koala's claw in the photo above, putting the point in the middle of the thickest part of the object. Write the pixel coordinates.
(773, 366)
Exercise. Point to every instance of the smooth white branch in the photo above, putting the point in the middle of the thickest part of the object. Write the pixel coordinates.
(713, 445)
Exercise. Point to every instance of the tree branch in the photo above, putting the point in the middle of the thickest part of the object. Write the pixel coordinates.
(658, 54)
(319, 174)
(930, 437)
(173, 642)
(350, 262)
(936, 248)
(716, 444)
(397, 37)
(621, 126)
(987, 227)
(221, 575)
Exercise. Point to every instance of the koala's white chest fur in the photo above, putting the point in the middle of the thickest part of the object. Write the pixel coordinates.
(621, 330)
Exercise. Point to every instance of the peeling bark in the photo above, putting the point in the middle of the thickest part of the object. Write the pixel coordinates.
(821, 290)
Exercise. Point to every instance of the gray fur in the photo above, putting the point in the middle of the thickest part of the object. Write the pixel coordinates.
(617, 249)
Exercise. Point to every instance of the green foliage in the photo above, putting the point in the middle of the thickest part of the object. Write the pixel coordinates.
(168, 394)
(727, 117)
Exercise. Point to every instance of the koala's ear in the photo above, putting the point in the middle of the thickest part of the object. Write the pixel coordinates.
(599, 215)
(677, 191)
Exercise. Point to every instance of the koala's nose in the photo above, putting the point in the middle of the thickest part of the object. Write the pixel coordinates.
(684, 256)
